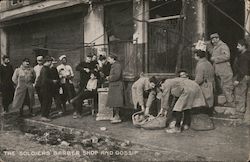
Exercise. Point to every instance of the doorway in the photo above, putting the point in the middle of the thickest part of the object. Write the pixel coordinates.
(229, 32)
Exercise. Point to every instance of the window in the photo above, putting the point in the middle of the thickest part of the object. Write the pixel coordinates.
(164, 36)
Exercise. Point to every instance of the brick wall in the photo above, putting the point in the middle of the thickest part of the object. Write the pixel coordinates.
(60, 35)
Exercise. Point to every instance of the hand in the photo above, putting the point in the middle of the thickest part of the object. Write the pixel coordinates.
(162, 113)
(212, 59)
(107, 78)
(87, 70)
(236, 83)
(146, 112)
(54, 81)
(142, 108)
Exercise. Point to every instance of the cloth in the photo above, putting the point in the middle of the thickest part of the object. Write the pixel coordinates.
(37, 70)
(24, 79)
(26, 102)
(240, 93)
(242, 66)
(189, 93)
(46, 81)
(68, 92)
(204, 76)
(65, 73)
(77, 104)
(138, 89)
(185, 115)
(84, 75)
(116, 87)
(6, 85)
(223, 70)
(91, 85)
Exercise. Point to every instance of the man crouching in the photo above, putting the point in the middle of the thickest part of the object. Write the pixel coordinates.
(189, 96)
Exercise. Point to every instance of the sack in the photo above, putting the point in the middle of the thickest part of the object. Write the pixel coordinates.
(202, 122)
(155, 123)
(148, 122)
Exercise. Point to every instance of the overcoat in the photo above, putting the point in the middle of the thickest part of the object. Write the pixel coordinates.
(138, 88)
(116, 87)
(221, 54)
(24, 79)
(204, 76)
(188, 91)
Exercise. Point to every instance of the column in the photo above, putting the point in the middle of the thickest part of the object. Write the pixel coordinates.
(140, 13)
(94, 28)
(3, 41)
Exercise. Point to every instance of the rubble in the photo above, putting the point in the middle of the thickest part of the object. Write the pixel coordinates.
(64, 143)
(103, 128)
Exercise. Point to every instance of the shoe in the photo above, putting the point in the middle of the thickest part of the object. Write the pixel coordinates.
(44, 119)
(174, 130)
(115, 121)
(60, 113)
(185, 127)
(75, 115)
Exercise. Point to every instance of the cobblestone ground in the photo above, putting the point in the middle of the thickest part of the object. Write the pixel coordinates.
(18, 146)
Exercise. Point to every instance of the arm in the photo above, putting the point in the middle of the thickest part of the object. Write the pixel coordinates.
(151, 98)
(15, 76)
(139, 93)
(224, 56)
(199, 75)
(116, 73)
(71, 72)
(165, 99)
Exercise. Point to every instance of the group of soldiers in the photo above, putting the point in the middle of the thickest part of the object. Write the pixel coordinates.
(213, 70)
(50, 81)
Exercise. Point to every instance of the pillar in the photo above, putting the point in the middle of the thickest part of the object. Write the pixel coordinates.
(140, 13)
(3, 42)
(94, 28)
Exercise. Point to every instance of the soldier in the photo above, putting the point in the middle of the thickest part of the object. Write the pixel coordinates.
(6, 83)
(46, 83)
(24, 77)
(37, 70)
(220, 56)
(189, 96)
(144, 88)
(241, 77)
(115, 95)
(204, 76)
(66, 75)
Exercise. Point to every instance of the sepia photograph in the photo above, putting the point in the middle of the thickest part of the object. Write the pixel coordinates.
(124, 80)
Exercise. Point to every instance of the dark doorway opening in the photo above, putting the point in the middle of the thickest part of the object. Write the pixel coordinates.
(229, 32)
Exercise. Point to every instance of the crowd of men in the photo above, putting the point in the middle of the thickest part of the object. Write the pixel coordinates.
(213, 72)
(51, 82)
(54, 82)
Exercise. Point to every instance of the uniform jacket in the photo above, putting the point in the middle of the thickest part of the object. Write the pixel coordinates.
(65, 71)
(188, 91)
(138, 88)
(221, 54)
(46, 80)
(6, 83)
(116, 88)
(242, 66)
(24, 79)
(204, 76)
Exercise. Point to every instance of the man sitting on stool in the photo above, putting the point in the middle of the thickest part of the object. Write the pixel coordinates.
(89, 92)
